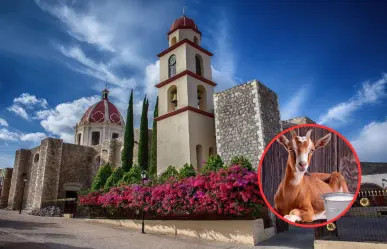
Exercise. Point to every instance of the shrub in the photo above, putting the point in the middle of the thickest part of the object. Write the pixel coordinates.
(187, 171)
(214, 163)
(242, 161)
(131, 177)
(84, 191)
(169, 173)
(102, 175)
(114, 178)
(231, 191)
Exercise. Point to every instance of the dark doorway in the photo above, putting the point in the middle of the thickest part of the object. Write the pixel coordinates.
(95, 138)
(79, 138)
(70, 205)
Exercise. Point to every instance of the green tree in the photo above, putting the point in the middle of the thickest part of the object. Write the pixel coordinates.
(187, 171)
(131, 177)
(213, 164)
(114, 178)
(153, 153)
(168, 173)
(143, 151)
(100, 179)
(127, 152)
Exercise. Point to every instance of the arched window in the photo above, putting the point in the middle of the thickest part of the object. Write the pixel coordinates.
(173, 41)
(199, 156)
(202, 98)
(172, 98)
(196, 40)
(172, 66)
(98, 161)
(211, 151)
(199, 65)
(95, 137)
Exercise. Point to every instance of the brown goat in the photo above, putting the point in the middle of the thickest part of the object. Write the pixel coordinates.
(298, 197)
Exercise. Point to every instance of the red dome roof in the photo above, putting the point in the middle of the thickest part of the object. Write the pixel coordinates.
(103, 111)
(183, 23)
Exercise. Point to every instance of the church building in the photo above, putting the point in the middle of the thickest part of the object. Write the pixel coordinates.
(194, 123)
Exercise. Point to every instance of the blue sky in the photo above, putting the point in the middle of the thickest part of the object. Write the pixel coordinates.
(325, 60)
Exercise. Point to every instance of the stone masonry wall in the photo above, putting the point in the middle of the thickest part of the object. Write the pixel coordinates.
(76, 167)
(5, 187)
(20, 167)
(269, 113)
(296, 121)
(33, 180)
(52, 167)
(246, 119)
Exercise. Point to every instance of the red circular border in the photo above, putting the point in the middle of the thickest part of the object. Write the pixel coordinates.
(260, 169)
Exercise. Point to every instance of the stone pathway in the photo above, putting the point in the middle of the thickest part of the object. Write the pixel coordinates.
(33, 232)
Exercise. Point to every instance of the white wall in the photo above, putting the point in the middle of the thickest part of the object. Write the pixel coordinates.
(375, 179)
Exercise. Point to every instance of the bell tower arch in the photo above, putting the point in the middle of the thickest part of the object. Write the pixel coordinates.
(185, 90)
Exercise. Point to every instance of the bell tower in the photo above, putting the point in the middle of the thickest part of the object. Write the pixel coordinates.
(185, 125)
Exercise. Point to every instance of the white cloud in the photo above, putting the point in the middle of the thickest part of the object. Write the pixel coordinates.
(61, 120)
(293, 107)
(371, 143)
(370, 93)
(121, 28)
(224, 68)
(30, 100)
(3, 122)
(7, 135)
(33, 137)
(97, 70)
(152, 77)
(18, 110)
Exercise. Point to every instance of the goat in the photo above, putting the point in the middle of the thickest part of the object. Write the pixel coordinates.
(299, 195)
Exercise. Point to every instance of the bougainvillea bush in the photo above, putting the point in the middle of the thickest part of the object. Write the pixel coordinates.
(230, 191)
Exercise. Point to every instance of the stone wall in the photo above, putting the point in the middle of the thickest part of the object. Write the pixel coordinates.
(54, 167)
(34, 181)
(6, 185)
(110, 150)
(20, 167)
(246, 119)
(269, 114)
(286, 124)
(77, 168)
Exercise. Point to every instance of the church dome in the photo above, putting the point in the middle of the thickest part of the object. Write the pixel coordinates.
(184, 22)
(103, 112)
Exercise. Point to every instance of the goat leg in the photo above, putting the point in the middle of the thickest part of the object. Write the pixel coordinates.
(304, 215)
(338, 182)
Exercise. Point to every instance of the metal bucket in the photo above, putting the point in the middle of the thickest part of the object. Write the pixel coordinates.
(336, 203)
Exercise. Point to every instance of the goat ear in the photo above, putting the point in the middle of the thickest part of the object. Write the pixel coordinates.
(309, 133)
(323, 141)
(283, 140)
(294, 133)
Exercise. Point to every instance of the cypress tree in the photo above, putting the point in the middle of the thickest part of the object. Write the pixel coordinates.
(127, 152)
(153, 153)
(143, 151)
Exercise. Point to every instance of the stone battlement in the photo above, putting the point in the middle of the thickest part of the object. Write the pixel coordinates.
(246, 119)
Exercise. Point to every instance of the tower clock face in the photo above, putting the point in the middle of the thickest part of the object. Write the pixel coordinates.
(172, 60)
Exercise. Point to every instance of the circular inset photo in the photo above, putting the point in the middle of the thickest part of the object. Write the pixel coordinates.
(309, 175)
